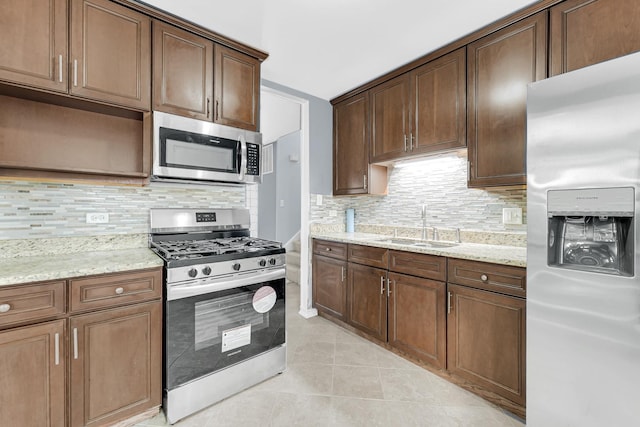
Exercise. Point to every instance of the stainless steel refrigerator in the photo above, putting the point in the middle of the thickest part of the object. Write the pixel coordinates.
(583, 278)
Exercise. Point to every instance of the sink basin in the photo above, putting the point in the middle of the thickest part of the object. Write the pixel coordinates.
(421, 243)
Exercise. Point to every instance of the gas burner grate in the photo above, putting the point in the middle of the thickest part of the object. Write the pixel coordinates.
(186, 249)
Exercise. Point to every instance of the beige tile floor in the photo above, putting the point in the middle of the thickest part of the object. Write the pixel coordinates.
(335, 378)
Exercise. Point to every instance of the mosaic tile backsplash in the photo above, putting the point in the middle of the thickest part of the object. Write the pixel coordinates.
(30, 210)
(438, 182)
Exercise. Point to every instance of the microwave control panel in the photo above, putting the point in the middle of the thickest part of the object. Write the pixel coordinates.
(253, 159)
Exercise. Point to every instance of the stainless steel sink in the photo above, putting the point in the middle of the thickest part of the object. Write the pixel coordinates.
(420, 243)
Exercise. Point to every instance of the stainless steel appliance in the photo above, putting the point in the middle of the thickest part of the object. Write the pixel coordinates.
(186, 149)
(224, 320)
(583, 198)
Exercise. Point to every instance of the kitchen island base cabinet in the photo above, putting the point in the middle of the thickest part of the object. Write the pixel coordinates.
(115, 363)
(486, 340)
(32, 375)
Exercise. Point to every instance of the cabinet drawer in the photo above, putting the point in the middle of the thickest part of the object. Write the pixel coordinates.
(421, 265)
(330, 249)
(28, 303)
(115, 289)
(494, 277)
(369, 255)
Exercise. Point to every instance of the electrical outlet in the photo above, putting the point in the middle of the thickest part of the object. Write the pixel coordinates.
(333, 213)
(319, 200)
(512, 216)
(97, 218)
(281, 203)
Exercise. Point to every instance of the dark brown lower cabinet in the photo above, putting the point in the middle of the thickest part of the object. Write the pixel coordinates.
(486, 340)
(417, 318)
(329, 286)
(116, 358)
(32, 375)
(367, 300)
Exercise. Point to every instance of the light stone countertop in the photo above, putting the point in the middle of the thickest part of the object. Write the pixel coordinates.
(26, 269)
(497, 254)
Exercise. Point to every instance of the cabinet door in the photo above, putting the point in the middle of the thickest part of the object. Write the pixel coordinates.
(417, 319)
(500, 66)
(486, 340)
(389, 119)
(351, 145)
(367, 300)
(116, 362)
(586, 32)
(182, 72)
(330, 286)
(236, 88)
(439, 97)
(33, 46)
(110, 53)
(32, 374)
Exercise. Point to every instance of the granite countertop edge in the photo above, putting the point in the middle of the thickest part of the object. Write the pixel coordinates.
(38, 268)
(497, 254)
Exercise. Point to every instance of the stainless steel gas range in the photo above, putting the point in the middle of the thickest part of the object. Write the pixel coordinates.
(224, 320)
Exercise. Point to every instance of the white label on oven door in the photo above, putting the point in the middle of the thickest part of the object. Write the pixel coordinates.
(236, 337)
(264, 299)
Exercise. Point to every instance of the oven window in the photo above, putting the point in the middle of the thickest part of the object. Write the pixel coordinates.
(206, 333)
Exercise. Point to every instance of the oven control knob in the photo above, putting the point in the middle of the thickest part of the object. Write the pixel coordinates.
(263, 262)
(193, 272)
(206, 271)
(272, 261)
(236, 266)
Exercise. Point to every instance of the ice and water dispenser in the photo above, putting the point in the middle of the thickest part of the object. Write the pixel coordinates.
(591, 230)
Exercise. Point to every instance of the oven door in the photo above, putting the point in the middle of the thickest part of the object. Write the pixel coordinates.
(215, 325)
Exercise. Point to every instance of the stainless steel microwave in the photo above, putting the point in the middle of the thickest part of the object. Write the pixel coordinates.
(186, 149)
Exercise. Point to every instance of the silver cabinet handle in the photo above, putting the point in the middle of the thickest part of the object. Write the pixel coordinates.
(75, 72)
(60, 68)
(381, 285)
(448, 302)
(75, 343)
(484, 278)
(364, 180)
(389, 286)
(328, 249)
(4, 308)
(411, 139)
(343, 274)
(119, 291)
(208, 108)
(56, 342)
(405, 142)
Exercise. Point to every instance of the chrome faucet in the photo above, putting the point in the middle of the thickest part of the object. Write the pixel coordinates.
(424, 222)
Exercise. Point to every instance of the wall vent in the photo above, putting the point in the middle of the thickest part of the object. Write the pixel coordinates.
(267, 159)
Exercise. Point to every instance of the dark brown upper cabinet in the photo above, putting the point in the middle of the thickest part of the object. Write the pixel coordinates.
(182, 72)
(352, 173)
(33, 46)
(438, 108)
(110, 54)
(390, 119)
(236, 89)
(586, 32)
(500, 66)
(421, 111)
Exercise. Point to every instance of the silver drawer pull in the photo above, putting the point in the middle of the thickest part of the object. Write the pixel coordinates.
(119, 291)
(4, 308)
(328, 249)
(484, 278)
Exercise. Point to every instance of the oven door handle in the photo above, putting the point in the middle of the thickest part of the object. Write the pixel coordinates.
(190, 289)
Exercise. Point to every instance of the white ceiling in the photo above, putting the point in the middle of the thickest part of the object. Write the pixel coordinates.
(328, 47)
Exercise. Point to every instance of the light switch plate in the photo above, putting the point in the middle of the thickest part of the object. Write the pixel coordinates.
(512, 216)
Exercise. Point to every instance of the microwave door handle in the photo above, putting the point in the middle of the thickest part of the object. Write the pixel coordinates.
(243, 158)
